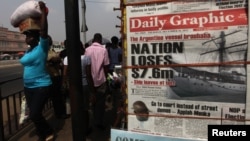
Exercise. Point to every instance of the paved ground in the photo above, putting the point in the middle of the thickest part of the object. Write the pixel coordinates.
(64, 130)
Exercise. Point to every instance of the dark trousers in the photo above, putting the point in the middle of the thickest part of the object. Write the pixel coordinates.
(86, 93)
(99, 108)
(57, 97)
(36, 99)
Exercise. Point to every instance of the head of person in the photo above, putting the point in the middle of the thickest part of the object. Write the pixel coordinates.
(32, 37)
(141, 111)
(86, 45)
(97, 38)
(115, 40)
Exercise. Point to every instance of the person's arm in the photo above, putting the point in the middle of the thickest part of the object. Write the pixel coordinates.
(65, 69)
(43, 20)
(106, 63)
(106, 70)
(90, 78)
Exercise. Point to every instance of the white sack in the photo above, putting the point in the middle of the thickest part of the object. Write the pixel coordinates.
(29, 9)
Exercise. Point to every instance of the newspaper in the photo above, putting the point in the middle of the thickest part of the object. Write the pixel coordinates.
(185, 66)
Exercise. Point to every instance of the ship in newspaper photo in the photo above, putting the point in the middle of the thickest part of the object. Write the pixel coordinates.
(226, 79)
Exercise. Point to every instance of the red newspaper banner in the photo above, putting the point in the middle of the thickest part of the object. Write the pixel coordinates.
(127, 2)
(195, 20)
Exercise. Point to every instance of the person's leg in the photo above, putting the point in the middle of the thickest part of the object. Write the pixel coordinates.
(99, 108)
(86, 94)
(57, 98)
(116, 97)
(36, 99)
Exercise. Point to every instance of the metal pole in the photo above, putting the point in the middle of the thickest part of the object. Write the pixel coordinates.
(74, 67)
(84, 30)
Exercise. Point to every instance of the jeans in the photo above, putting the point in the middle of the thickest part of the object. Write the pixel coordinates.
(36, 99)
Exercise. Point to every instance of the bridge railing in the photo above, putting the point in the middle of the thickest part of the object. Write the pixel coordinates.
(10, 109)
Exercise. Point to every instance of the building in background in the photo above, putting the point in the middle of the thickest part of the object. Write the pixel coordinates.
(12, 43)
(13, 46)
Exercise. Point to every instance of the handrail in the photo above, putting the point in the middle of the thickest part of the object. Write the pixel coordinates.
(10, 106)
(10, 80)
(5, 103)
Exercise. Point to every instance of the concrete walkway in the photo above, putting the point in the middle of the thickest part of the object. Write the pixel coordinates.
(63, 130)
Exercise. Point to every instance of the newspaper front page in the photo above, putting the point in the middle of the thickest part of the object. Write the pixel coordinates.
(186, 66)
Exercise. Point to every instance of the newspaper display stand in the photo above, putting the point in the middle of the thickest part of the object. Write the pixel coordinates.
(186, 65)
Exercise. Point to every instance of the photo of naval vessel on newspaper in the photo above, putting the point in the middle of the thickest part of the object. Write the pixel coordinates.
(219, 79)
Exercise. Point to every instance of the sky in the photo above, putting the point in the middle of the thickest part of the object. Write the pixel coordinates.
(100, 17)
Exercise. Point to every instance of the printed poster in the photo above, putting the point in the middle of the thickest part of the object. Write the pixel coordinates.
(186, 66)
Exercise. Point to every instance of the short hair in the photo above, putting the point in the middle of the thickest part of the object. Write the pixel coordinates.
(114, 40)
(97, 38)
(86, 45)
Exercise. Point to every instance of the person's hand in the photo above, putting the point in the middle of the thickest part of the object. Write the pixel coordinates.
(43, 7)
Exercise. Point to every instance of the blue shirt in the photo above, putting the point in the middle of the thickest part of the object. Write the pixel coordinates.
(34, 62)
(114, 57)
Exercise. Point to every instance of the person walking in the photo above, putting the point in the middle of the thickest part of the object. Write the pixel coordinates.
(97, 73)
(115, 57)
(85, 61)
(36, 79)
(65, 81)
(54, 67)
(115, 54)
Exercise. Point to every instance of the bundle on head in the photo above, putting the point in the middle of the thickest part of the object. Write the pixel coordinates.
(27, 16)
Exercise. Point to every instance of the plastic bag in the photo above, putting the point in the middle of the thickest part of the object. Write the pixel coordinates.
(24, 115)
(29, 9)
(115, 80)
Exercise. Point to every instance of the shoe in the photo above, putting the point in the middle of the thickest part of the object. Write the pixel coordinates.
(50, 138)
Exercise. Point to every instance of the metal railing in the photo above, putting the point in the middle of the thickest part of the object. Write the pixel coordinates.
(10, 107)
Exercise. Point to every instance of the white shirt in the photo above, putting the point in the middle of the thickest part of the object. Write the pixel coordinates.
(85, 60)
